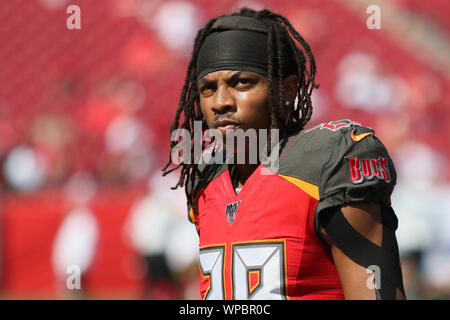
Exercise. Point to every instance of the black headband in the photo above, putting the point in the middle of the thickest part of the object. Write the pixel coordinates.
(238, 43)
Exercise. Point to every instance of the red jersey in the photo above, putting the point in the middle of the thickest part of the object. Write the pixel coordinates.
(263, 242)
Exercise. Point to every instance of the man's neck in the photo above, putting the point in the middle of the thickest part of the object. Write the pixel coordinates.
(244, 171)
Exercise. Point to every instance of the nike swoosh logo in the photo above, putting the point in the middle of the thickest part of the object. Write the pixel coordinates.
(361, 136)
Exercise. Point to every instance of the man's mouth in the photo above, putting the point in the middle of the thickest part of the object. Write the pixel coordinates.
(226, 125)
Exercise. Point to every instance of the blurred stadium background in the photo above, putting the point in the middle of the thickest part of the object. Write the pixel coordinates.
(84, 118)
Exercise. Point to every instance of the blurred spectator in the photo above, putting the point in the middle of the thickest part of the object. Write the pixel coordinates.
(417, 206)
(159, 230)
(436, 261)
(75, 243)
(73, 250)
(362, 85)
(180, 33)
(24, 169)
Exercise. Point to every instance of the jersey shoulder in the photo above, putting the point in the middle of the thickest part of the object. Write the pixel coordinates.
(343, 159)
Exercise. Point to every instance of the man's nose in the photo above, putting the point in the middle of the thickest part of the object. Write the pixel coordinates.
(224, 101)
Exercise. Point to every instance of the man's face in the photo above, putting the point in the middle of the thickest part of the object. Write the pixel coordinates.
(232, 100)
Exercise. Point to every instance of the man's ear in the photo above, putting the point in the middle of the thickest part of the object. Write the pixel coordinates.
(290, 88)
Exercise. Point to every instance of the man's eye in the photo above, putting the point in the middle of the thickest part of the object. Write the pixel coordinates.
(206, 88)
(244, 82)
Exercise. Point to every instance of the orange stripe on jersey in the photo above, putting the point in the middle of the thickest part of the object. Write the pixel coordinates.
(192, 215)
(309, 188)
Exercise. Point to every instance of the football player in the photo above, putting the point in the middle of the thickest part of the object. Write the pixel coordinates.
(321, 226)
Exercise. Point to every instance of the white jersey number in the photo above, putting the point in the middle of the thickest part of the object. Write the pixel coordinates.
(257, 270)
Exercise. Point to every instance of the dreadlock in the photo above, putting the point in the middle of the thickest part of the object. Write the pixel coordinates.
(299, 114)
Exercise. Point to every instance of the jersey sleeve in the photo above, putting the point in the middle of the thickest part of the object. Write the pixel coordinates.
(345, 161)
(358, 169)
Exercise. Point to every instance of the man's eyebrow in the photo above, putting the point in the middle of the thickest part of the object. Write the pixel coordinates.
(233, 77)
(204, 81)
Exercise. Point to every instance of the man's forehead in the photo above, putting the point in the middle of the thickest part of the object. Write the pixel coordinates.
(227, 74)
